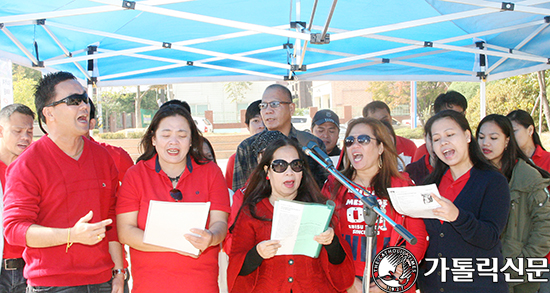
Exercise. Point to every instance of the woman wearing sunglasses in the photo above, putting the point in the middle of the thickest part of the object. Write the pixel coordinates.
(173, 168)
(282, 173)
(527, 233)
(475, 200)
(370, 161)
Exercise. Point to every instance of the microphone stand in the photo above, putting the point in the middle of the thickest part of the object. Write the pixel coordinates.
(371, 211)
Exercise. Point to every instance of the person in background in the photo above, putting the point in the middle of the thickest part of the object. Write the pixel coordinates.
(527, 233)
(254, 124)
(60, 198)
(475, 201)
(173, 168)
(16, 130)
(380, 111)
(450, 100)
(283, 173)
(529, 141)
(370, 161)
(326, 126)
(276, 109)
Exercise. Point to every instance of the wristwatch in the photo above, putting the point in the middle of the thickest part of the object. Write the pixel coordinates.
(120, 271)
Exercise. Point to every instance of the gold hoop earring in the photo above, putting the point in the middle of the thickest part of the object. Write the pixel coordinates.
(380, 162)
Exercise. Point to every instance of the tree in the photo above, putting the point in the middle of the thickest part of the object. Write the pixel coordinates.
(24, 84)
(236, 91)
(426, 92)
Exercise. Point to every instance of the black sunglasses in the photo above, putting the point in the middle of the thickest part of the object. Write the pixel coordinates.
(72, 100)
(362, 139)
(176, 194)
(273, 104)
(279, 166)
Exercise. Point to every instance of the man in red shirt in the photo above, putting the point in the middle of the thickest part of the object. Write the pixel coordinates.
(60, 198)
(16, 126)
(380, 111)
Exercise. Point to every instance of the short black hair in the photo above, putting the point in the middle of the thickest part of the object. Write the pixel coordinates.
(252, 111)
(449, 99)
(282, 88)
(45, 90)
(373, 106)
(7, 111)
(184, 104)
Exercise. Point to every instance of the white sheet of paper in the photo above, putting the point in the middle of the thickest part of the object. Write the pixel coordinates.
(415, 201)
(167, 222)
(286, 223)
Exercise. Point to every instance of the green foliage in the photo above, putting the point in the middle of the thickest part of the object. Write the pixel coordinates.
(407, 132)
(236, 91)
(426, 92)
(136, 134)
(123, 100)
(301, 112)
(24, 84)
(112, 135)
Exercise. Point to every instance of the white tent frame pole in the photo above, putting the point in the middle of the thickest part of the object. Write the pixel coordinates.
(67, 53)
(212, 20)
(498, 5)
(519, 46)
(19, 45)
(482, 100)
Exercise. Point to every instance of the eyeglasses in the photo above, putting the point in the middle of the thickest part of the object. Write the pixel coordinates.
(280, 166)
(362, 139)
(72, 100)
(176, 194)
(273, 104)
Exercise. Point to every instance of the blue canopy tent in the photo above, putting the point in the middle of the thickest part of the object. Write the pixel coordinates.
(114, 42)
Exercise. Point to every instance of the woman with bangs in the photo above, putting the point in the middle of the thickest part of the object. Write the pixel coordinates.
(527, 233)
(283, 173)
(475, 201)
(173, 168)
(370, 161)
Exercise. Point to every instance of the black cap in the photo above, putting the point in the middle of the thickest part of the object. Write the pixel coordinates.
(325, 115)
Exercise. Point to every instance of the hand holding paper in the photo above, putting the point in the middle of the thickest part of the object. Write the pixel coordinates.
(448, 211)
(268, 248)
(326, 237)
(201, 239)
(416, 201)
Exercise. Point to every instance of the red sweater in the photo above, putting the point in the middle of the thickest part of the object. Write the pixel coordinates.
(10, 251)
(48, 188)
(229, 171)
(283, 273)
(352, 224)
(165, 271)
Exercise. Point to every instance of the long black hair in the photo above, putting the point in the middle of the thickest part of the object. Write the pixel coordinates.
(525, 119)
(259, 187)
(474, 152)
(512, 152)
(146, 144)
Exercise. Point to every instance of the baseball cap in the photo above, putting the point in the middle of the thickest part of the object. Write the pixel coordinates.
(325, 115)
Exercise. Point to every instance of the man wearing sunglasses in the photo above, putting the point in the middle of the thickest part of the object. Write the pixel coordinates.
(276, 109)
(60, 198)
(16, 126)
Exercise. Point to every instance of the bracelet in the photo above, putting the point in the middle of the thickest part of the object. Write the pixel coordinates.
(120, 271)
(69, 243)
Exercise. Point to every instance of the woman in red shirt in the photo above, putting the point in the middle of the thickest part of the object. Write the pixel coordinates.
(370, 161)
(528, 139)
(282, 173)
(173, 168)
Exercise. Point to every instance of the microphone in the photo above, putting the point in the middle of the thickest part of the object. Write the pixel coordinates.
(313, 146)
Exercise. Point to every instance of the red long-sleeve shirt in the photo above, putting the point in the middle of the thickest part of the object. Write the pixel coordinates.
(47, 187)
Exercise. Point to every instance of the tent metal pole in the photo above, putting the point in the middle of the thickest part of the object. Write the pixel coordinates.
(482, 99)
(20, 46)
(498, 5)
(59, 13)
(413, 105)
(329, 18)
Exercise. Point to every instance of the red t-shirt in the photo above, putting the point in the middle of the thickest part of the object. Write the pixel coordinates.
(450, 188)
(122, 159)
(229, 171)
(45, 186)
(349, 211)
(165, 271)
(405, 149)
(420, 152)
(10, 251)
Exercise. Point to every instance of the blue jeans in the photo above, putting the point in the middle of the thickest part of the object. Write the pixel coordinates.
(12, 281)
(96, 288)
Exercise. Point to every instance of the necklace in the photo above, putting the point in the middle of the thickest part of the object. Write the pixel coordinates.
(175, 179)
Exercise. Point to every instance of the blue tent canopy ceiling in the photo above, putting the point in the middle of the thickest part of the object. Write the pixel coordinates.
(169, 41)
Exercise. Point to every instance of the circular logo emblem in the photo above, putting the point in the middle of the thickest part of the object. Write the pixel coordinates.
(394, 269)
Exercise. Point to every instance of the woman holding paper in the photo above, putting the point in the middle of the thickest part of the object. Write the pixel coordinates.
(173, 169)
(282, 173)
(475, 200)
(527, 233)
(370, 161)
